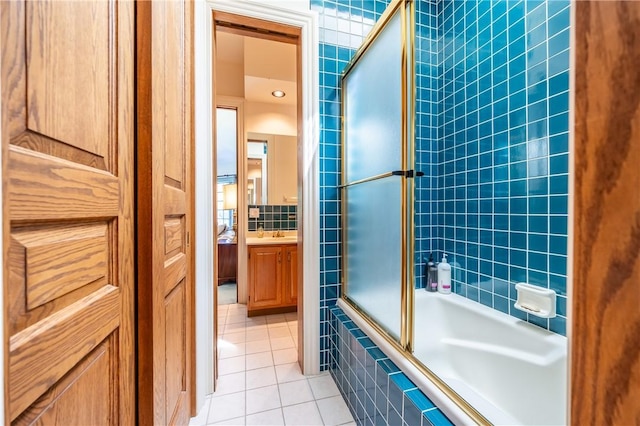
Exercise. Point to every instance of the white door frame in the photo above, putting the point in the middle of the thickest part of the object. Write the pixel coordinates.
(307, 21)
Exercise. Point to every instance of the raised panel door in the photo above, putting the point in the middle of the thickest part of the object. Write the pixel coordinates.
(68, 144)
(265, 277)
(165, 288)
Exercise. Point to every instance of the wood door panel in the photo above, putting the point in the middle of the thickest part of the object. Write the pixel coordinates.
(68, 141)
(61, 259)
(165, 277)
(83, 396)
(69, 72)
(44, 145)
(174, 201)
(175, 269)
(42, 187)
(21, 317)
(175, 96)
(175, 335)
(43, 353)
(174, 235)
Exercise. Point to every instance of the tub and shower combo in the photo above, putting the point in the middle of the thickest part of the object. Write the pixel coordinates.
(481, 354)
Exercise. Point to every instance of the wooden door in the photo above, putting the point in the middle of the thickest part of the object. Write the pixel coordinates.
(291, 275)
(68, 140)
(605, 329)
(265, 277)
(165, 290)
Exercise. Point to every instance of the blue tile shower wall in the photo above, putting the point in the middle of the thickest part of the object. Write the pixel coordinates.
(491, 136)
(503, 157)
(375, 389)
(343, 26)
(428, 96)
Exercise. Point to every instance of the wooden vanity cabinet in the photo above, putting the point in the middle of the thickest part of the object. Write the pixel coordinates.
(273, 279)
(291, 275)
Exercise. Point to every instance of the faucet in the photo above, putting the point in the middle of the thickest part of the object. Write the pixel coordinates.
(278, 234)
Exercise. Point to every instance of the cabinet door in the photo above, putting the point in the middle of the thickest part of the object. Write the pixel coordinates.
(291, 275)
(265, 277)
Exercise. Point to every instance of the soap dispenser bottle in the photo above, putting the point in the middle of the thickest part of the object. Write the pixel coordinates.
(431, 275)
(444, 276)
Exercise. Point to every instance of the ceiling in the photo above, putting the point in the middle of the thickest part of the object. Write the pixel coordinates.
(268, 65)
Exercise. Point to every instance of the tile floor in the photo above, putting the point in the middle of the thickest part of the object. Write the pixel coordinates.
(260, 382)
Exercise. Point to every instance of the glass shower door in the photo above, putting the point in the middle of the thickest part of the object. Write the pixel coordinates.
(374, 176)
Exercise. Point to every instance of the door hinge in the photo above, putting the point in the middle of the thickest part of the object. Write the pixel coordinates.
(188, 240)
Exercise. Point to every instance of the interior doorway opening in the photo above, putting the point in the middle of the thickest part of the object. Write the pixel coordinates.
(258, 69)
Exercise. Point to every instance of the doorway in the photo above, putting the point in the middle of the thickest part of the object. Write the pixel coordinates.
(306, 22)
(257, 69)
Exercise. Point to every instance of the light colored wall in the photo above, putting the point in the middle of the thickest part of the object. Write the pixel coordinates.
(284, 185)
(270, 118)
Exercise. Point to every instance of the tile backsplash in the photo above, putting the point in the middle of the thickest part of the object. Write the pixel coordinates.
(274, 218)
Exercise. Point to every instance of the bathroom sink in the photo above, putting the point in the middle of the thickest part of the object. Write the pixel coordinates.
(288, 239)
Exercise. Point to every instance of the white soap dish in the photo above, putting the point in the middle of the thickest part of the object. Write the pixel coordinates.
(536, 300)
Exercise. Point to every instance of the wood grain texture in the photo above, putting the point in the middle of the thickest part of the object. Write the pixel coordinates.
(61, 260)
(175, 271)
(41, 355)
(175, 95)
(176, 353)
(605, 333)
(164, 198)
(41, 187)
(82, 397)
(291, 275)
(265, 277)
(173, 236)
(253, 27)
(68, 72)
(68, 111)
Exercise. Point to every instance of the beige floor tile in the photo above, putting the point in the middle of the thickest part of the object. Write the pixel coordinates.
(285, 356)
(259, 360)
(305, 414)
(268, 418)
(261, 377)
(226, 407)
(263, 399)
(295, 392)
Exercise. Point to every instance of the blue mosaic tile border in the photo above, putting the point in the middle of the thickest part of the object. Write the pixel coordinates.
(376, 391)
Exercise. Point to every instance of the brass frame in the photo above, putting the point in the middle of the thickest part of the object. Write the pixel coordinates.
(408, 98)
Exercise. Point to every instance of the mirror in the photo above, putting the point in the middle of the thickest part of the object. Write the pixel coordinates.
(272, 169)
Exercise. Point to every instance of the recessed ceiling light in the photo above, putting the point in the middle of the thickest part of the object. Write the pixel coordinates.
(278, 94)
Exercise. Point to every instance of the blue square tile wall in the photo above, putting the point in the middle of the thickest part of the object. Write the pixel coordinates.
(491, 135)
(375, 389)
(502, 191)
(343, 26)
(428, 96)
(275, 218)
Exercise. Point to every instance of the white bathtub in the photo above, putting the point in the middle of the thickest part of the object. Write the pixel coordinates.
(510, 371)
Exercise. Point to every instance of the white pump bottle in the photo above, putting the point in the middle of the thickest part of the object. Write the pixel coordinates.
(444, 276)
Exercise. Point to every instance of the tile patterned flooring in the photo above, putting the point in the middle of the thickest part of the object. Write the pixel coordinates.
(260, 382)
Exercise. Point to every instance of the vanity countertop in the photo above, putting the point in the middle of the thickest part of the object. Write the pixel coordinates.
(267, 240)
